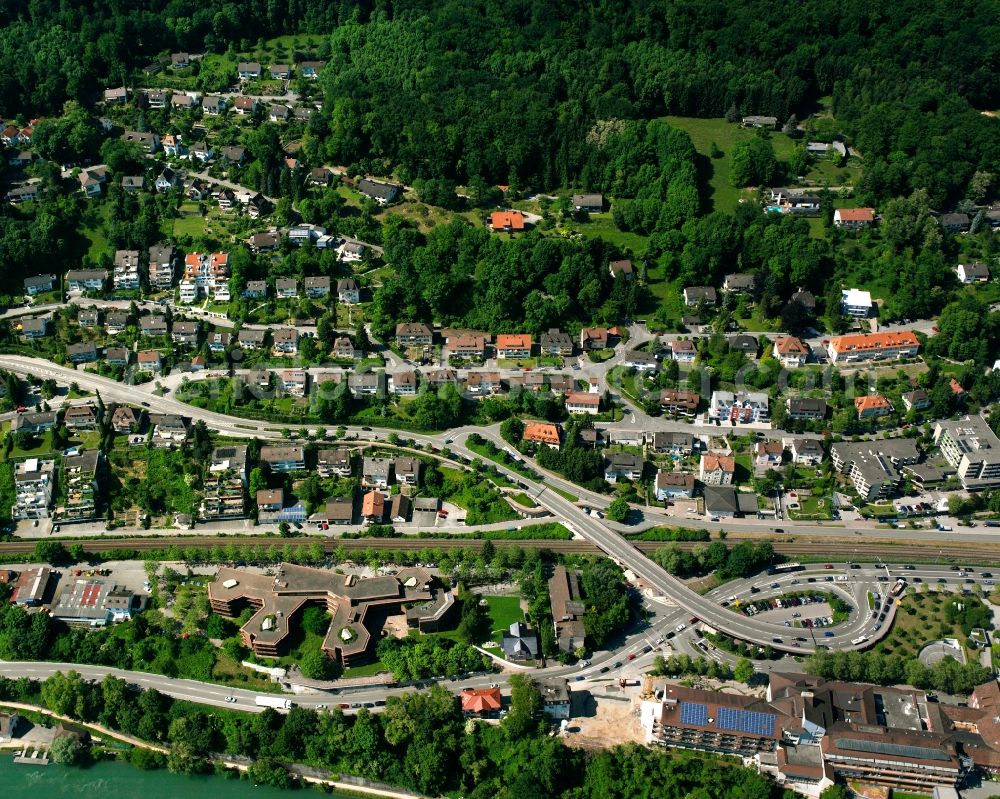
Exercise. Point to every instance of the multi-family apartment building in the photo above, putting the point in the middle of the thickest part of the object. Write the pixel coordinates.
(161, 267)
(873, 466)
(80, 475)
(742, 407)
(126, 272)
(34, 480)
(225, 484)
(873, 346)
(971, 446)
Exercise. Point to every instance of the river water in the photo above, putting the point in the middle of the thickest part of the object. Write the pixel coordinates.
(112, 780)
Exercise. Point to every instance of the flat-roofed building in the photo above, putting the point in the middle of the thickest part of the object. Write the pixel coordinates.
(971, 446)
(354, 604)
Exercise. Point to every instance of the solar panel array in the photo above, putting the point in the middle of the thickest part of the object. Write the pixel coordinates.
(694, 713)
(746, 721)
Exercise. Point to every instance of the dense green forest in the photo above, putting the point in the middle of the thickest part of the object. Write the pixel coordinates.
(512, 92)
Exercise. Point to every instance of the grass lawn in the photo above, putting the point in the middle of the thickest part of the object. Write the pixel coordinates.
(427, 217)
(42, 447)
(504, 611)
(911, 631)
(523, 499)
(704, 132)
(367, 670)
(193, 226)
(812, 507)
(227, 670)
(98, 242)
(602, 226)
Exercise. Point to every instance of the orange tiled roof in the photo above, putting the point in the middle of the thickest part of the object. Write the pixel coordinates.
(501, 220)
(373, 504)
(542, 432)
(857, 214)
(873, 402)
(874, 341)
(790, 345)
(710, 462)
(514, 341)
(482, 700)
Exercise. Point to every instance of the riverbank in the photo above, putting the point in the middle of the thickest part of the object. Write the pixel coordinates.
(97, 731)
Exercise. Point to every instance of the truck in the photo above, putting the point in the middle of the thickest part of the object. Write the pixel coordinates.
(277, 702)
(897, 589)
(625, 682)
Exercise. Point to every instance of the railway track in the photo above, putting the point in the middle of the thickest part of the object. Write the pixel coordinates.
(893, 552)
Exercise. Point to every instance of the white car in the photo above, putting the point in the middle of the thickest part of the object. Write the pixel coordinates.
(584, 664)
(680, 627)
(230, 698)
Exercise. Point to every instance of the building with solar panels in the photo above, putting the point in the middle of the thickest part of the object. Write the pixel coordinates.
(712, 721)
(809, 732)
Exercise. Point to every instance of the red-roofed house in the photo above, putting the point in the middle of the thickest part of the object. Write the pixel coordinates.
(506, 221)
(514, 345)
(481, 702)
(853, 217)
(542, 433)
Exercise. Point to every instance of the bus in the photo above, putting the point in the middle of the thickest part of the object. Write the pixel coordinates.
(785, 568)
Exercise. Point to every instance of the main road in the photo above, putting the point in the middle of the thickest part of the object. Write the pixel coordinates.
(663, 584)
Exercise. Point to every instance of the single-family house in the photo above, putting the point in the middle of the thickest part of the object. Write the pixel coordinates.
(872, 406)
(507, 221)
(683, 350)
(805, 451)
(622, 268)
(125, 419)
(588, 203)
(403, 383)
(853, 218)
(739, 283)
(334, 462)
(245, 106)
(791, 352)
(381, 193)
(583, 402)
(248, 70)
(149, 142)
(678, 402)
(555, 342)
(85, 352)
(348, 291)
(34, 327)
(673, 485)
(286, 341)
(149, 361)
(916, 400)
(623, 466)
(317, 286)
(805, 408)
(153, 326)
(413, 334)
(117, 356)
(38, 284)
(255, 290)
(542, 433)
(513, 345)
(284, 459)
(86, 279)
(212, 105)
(594, 338)
(311, 69)
(407, 470)
(973, 273)
(696, 295)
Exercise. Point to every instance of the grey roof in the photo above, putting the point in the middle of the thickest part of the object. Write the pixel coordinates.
(377, 189)
(725, 499)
